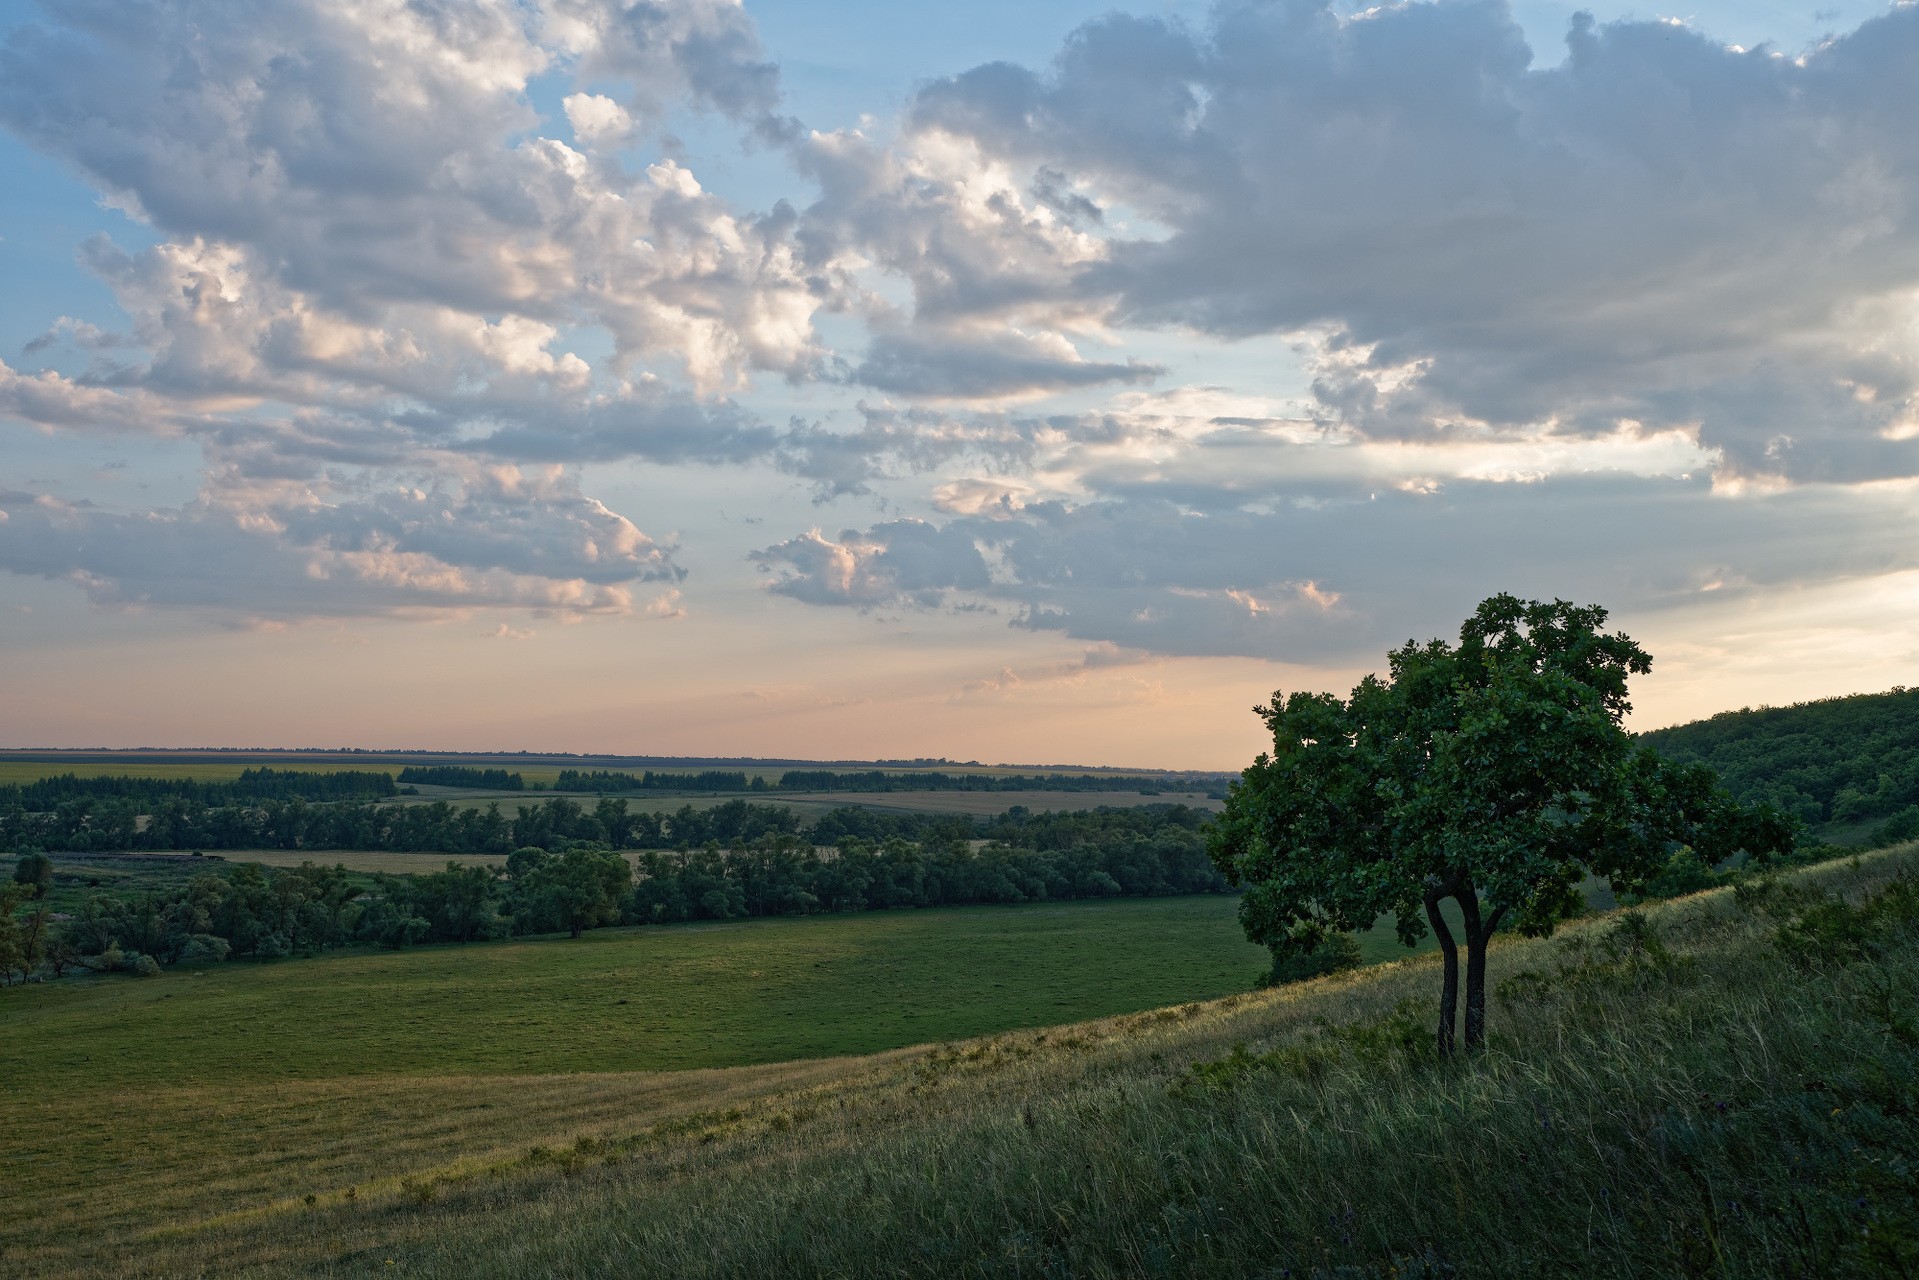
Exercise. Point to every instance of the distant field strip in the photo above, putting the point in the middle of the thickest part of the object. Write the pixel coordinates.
(810, 804)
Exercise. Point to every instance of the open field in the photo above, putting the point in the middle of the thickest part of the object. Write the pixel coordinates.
(226, 1080)
(14, 772)
(663, 998)
(1705, 1107)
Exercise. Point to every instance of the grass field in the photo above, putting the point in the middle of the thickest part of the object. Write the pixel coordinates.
(656, 999)
(1702, 1107)
(201, 1091)
(15, 773)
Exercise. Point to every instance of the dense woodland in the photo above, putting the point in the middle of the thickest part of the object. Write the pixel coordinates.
(868, 780)
(872, 780)
(252, 785)
(1843, 761)
(568, 883)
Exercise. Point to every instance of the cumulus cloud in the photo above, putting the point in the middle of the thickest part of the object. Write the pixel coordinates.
(898, 562)
(1606, 325)
(943, 364)
(1661, 229)
(1307, 582)
(369, 268)
(501, 537)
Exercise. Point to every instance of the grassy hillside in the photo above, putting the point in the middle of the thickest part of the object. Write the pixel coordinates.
(1696, 1097)
(127, 1103)
(1843, 765)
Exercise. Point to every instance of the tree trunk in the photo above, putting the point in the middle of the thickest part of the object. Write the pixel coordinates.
(1449, 992)
(1478, 935)
(575, 925)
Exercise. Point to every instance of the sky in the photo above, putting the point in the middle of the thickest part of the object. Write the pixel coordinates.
(1019, 382)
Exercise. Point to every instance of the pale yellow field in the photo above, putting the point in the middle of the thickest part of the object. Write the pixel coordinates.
(19, 772)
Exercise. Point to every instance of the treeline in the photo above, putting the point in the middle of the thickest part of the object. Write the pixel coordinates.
(1841, 760)
(601, 780)
(439, 827)
(455, 775)
(781, 875)
(252, 911)
(875, 780)
(253, 785)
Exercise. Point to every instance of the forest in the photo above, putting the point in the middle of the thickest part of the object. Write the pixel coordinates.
(89, 825)
(1851, 762)
(253, 785)
(871, 780)
(573, 884)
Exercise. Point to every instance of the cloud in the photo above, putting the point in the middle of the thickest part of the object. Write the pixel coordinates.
(999, 366)
(501, 538)
(1659, 230)
(1308, 582)
(898, 562)
(597, 121)
(361, 195)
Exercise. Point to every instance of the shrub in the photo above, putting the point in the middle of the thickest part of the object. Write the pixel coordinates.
(1332, 953)
(205, 948)
(1897, 829)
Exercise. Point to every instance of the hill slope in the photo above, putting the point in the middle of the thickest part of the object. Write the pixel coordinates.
(1728, 1087)
(1842, 765)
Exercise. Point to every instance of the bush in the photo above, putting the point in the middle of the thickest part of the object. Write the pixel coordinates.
(1897, 829)
(1331, 953)
(203, 948)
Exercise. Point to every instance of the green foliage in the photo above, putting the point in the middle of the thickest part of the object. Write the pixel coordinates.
(1897, 829)
(252, 786)
(572, 884)
(35, 870)
(579, 889)
(1301, 959)
(1495, 773)
(1839, 760)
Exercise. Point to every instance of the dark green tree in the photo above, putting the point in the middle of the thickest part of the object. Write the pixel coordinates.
(1495, 773)
(580, 888)
(35, 870)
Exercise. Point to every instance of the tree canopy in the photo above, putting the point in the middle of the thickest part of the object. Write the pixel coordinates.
(1495, 772)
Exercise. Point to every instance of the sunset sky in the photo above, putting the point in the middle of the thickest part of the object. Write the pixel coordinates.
(1025, 382)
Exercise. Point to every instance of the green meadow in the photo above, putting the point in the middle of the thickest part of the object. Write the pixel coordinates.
(1724, 1085)
(664, 998)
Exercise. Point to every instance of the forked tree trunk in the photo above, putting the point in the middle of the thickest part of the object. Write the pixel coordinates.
(1479, 933)
(1449, 992)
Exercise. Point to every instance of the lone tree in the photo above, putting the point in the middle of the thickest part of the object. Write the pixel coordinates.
(1495, 773)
